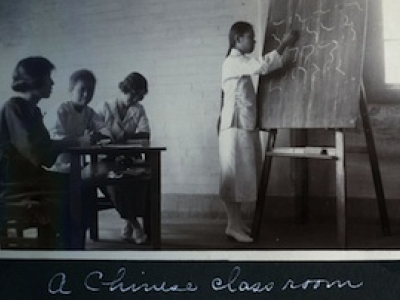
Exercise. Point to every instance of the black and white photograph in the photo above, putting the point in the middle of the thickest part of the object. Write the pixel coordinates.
(202, 129)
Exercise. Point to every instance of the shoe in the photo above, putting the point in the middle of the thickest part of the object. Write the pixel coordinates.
(139, 237)
(239, 236)
(245, 228)
(127, 232)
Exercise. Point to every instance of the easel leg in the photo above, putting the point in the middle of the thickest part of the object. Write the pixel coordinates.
(373, 159)
(341, 188)
(299, 176)
(262, 189)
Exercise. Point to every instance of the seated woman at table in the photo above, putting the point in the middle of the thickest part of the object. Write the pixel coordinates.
(126, 120)
(26, 146)
(75, 118)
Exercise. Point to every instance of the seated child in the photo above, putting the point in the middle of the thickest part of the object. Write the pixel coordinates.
(75, 119)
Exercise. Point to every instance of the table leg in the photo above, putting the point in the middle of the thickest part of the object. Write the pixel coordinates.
(76, 210)
(94, 224)
(155, 199)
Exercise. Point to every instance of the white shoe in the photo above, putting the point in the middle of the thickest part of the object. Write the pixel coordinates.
(127, 232)
(138, 236)
(245, 228)
(239, 236)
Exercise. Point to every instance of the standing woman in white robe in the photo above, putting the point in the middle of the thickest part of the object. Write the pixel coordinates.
(239, 140)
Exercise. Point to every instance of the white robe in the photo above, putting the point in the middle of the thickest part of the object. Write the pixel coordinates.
(134, 121)
(72, 124)
(239, 141)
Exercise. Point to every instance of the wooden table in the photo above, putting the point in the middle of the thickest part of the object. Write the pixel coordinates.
(152, 158)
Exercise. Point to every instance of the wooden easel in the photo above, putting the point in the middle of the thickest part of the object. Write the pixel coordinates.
(337, 154)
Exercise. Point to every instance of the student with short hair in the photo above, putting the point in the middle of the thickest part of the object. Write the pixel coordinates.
(239, 140)
(126, 120)
(125, 116)
(76, 119)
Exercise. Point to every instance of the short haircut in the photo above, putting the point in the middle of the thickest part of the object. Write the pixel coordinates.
(30, 72)
(134, 82)
(84, 75)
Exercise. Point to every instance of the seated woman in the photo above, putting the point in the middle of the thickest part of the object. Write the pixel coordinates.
(126, 119)
(26, 147)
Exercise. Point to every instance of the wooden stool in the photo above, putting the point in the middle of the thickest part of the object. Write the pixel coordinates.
(26, 214)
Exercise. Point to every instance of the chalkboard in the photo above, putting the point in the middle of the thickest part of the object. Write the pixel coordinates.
(320, 88)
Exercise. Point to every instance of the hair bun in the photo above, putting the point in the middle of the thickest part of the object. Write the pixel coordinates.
(133, 82)
(30, 72)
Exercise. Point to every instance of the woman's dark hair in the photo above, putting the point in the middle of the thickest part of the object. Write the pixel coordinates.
(30, 73)
(84, 75)
(134, 82)
(238, 29)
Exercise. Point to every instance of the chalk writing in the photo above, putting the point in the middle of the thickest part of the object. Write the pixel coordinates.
(313, 32)
(338, 67)
(322, 12)
(347, 23)
(312, 50)
(326, 28)
(306, 54)
(277, 39)
(314, 75)
(281, 22)
(356, 4)
(304, 71)
(315, 88)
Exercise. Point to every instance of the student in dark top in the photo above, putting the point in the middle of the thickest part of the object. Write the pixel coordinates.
(26, 147)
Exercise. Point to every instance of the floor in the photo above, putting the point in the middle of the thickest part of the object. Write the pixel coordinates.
(208, 234)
